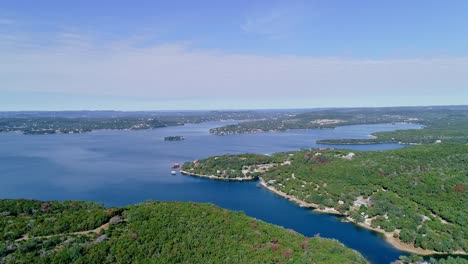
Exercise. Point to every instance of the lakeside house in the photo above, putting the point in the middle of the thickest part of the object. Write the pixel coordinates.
(349, 156)
(361, 201)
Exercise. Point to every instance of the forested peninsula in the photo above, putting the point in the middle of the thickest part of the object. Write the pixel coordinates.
(152, 232)
(415, 196)
(446, 123)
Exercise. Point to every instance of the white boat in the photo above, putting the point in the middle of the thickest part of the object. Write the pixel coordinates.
(173, 172)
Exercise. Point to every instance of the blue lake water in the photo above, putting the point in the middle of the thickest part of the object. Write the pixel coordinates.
(128, 167)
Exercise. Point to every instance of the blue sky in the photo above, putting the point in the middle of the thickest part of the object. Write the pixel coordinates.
(150, 55)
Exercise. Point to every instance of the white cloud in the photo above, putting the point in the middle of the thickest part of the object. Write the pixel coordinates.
(175, 71)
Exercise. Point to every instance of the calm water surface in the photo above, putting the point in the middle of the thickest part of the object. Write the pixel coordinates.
(128, 167)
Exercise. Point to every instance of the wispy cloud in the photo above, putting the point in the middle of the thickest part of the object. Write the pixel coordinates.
(175, 71)
(74, 40)
(274, 22)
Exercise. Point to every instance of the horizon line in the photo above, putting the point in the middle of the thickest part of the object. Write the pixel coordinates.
(240, 109)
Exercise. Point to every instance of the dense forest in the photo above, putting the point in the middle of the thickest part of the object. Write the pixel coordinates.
(416, 193)
(152, 232)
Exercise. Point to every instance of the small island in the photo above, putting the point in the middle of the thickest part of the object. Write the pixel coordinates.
(174, 138)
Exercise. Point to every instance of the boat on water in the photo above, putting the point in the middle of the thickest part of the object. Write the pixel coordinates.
(175, 165)
(173, 172)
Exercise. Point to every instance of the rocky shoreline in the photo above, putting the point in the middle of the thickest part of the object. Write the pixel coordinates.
(328, 210)
(397, 243)
(301, 203)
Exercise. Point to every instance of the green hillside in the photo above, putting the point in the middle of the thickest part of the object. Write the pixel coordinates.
(417, 194)
(152, 232)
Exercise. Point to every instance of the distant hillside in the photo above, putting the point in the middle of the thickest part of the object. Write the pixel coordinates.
(67, 122)
(434, 118)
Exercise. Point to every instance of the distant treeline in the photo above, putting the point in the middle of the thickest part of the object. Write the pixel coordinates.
(37, 123)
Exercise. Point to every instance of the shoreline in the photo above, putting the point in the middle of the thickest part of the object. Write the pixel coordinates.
(359, 143)
(397, 243)
(388, 236)
(332, 126)
(301, 203)
(183, 172)
(402, 245)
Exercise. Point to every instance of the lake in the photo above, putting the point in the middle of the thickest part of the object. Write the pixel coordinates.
(118, 167)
